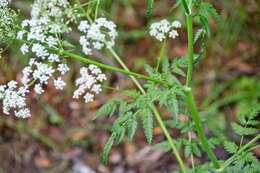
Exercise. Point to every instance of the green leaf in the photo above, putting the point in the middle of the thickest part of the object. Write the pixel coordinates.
(149, 10)
(230, 147)
(151, 71)
(147, 118)
(187, 151)
(243, 130)
(199, 34)
(107, 149)
(164, 146)
(132, 93)
(107, 108)
(120, 134)
(205, 24)
(131, 128)
(175, 108)
(208, 8)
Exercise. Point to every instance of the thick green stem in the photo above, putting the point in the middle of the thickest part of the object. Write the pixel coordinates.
(199, 128)
(185, 5)
(190, 97)
(108, 67)
(156, 113)
(190, 49)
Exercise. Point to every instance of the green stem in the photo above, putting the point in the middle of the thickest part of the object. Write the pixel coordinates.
(190, 97)
(119, 60)
(185, 5)
(169, 139)
(161, 54)
(156, 113)
(97, 8)
(108, 67)
(198, 126)
(190, 49)
(232, 158)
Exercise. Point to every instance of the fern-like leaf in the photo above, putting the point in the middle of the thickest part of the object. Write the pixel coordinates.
(147, 118)
(230, 147)
(107, 108)
(131, 128)
(107, 149)
(243, 130)
(206, 7)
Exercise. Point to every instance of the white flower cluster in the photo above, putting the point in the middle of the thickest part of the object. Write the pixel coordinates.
(102, 33)
(4, 3)
(89, 83)
(48, 19)
(8, 19)
(14, 98)
(163, 29)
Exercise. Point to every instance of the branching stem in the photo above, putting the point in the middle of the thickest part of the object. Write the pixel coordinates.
(77, 57)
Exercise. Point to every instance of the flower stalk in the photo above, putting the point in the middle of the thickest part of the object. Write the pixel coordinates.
(190, 98)
(77, 57)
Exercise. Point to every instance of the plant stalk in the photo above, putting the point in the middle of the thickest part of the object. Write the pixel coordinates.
(190, 97)
(199, 128)
(156, 113)
(190, 50)
(97, 8)
(108, 67)
(161, 55)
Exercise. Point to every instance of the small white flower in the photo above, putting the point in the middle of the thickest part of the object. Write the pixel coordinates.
(51, 41)
(59, 84)
(96, 88)
(100, 34)
(83, 26)
(89, 83)
(20, 35)
(38, 89)
(53, 58)
(176, 24)
(101, 77)
(23, 113)
(4, 3)
(39, 50)
(63, 68)
(163, 29)
(13, 98)
(89, 97)
(24, 49)
(26, 75)
(43, 72)
(173, 34)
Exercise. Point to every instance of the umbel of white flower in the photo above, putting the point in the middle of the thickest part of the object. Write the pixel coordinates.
(163, 29)
(14, 98)
(89, 83)
(4, 3)
(97, 35)
(49, 18)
